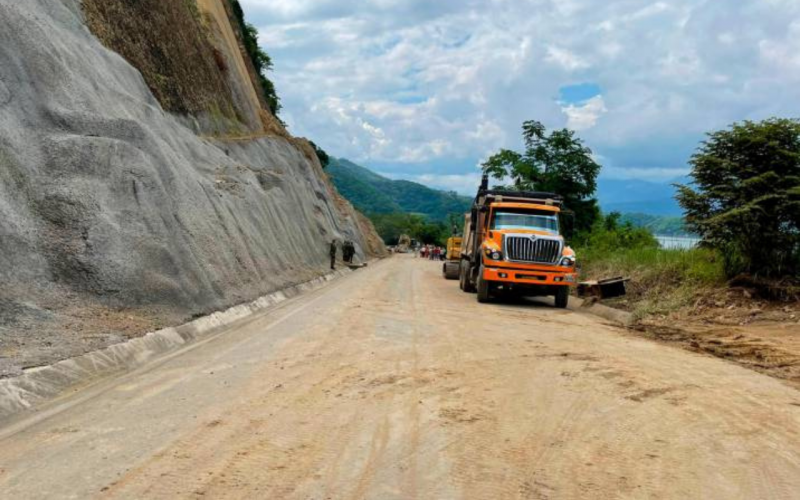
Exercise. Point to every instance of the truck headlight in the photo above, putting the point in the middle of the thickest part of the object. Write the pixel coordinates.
(568, 261)
(493, 254)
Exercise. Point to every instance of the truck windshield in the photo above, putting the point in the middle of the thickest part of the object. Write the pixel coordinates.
(537, 220)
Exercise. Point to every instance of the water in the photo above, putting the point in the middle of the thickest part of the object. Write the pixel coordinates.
(678, 242)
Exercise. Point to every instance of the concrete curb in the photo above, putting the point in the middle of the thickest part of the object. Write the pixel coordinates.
(40, 384)
(621, 318)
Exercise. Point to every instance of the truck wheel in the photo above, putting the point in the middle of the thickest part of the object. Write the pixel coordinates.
(466, 284)
(451, 270)
(562, 297)
(483, 287)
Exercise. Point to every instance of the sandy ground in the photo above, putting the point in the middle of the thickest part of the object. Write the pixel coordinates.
(392, 383)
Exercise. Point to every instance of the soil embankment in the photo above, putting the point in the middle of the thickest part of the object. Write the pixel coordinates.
(115, 217)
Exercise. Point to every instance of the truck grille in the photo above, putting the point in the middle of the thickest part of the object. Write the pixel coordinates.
(527, 249)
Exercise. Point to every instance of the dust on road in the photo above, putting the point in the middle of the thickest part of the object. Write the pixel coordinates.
(392, 383)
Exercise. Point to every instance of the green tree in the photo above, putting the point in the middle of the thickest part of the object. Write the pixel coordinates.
(262, 62)
(745, 198)
(609, 235)
(323, 157)
(558, 163)
(391, 226)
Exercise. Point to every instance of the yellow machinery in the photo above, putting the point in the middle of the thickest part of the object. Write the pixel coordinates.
(452, 265)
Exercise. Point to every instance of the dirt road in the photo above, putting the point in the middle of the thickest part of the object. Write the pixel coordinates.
(392, 383)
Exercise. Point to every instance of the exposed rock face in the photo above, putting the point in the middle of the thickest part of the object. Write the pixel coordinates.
(108, 201)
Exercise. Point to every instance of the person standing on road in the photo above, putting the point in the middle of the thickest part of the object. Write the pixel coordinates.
(333, 254)
(349, 251)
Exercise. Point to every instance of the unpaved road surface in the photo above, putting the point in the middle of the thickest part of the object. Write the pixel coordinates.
(392, 383)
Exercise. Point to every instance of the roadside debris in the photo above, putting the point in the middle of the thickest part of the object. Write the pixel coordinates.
(602, 289)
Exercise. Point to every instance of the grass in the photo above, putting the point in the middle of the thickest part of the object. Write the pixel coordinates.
(662, 281)
(168, 43)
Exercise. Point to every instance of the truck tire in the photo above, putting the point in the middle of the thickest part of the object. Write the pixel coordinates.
(466, 284)
(562, 297)
(483, 287)
(451, 270)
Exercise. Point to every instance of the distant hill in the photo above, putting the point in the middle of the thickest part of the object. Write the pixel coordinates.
(636, 196)
(374, 194)
(662, 225)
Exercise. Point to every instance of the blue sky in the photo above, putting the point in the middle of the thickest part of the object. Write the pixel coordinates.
(426, 90)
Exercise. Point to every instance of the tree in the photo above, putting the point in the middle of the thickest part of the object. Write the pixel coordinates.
(558, 163)
(745, 196)
(262, 62)
(323, 157)
(391, 226)
(610, 235)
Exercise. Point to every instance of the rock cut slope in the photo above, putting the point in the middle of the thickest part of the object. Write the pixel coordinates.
(116, 218)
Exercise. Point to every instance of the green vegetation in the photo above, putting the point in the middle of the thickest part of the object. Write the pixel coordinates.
(261, 60)
(323, 157)
(609, 235)
(744, 203)
(392, 226)
(662, 280)
(400, 207)
(658, 224)
(558, 163)
(745, 199)
(373, 194)
(168, 44)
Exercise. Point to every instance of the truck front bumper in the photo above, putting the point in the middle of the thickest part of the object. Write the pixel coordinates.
(530, 276)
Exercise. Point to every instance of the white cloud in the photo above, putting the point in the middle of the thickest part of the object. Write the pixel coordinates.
(432, 87)
(657, 174)
(565, 58)
(584, 116)
(466, 184)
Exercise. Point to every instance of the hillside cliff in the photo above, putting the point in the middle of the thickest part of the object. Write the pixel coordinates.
(116, 216)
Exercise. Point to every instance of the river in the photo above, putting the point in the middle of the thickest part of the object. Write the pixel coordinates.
(677, 242)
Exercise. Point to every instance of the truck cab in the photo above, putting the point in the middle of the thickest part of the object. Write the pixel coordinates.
(513, 244)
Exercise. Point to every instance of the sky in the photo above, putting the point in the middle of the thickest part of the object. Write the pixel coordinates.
(426, 90)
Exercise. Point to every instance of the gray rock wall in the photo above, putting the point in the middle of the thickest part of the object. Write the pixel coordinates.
(104, 196)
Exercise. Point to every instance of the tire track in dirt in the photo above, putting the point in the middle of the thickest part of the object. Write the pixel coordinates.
(404, 387)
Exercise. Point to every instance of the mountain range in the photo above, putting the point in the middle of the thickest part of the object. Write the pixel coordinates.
(638, 196)
(374, 194)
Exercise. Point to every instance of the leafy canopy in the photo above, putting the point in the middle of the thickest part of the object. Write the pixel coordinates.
(558, 163)
(392, 226)
(745, 198)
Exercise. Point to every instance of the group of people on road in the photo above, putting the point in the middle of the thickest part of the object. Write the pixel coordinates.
(432, 252)
(348, 252)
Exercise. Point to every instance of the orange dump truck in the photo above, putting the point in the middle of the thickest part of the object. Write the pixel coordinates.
(452, 264)
(512, 244)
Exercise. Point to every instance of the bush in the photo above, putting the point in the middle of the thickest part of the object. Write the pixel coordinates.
(662, 280)
(609, 235)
